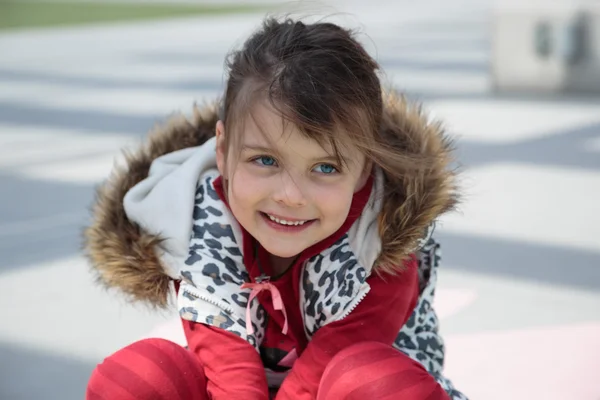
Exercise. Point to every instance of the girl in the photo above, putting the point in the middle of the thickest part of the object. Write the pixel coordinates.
(295, 226)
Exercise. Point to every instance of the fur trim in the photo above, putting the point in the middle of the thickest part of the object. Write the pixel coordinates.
(414, 197)
(123, 256)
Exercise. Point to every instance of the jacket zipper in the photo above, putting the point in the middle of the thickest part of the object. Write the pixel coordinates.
(222, 305)
(360, 297)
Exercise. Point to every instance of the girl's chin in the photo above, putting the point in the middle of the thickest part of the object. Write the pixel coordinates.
(277, 251)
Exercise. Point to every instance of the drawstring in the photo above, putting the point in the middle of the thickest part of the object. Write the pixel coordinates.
(261, 283)
(277, 303)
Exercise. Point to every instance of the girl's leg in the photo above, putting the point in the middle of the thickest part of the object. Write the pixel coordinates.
(375, 371)
(151, 369)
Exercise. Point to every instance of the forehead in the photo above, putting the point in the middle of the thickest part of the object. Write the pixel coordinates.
(266, 127)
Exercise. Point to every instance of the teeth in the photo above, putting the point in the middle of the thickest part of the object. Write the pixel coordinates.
(284, 222)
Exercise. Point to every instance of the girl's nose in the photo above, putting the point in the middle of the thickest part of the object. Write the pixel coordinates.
(289, 192)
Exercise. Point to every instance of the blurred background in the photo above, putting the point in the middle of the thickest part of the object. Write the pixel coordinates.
(517, 84)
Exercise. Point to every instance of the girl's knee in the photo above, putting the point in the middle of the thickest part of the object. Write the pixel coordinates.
(377, 371)
(148, 369)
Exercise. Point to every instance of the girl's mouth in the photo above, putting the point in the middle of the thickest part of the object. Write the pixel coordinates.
(284, 225)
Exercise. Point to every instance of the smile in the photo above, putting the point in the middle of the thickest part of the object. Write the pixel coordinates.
(286, 222)
(286, 225)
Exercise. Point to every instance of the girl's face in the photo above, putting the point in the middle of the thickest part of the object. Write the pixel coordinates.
(285, 189)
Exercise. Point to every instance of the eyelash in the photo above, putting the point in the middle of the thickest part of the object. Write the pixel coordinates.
(256, 160)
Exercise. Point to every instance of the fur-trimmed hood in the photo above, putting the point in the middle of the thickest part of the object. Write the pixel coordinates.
(124, 256)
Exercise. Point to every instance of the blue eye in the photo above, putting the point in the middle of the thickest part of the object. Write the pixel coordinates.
(326, 169)
(265, 160)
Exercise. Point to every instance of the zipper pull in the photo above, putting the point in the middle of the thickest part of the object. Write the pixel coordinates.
(262, 278)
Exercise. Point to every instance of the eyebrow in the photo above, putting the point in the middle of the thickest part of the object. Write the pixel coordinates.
(262, 149)
(248, 147)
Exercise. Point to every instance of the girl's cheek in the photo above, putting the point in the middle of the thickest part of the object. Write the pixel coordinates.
(325, 193)
(334, 202)
(247, 186)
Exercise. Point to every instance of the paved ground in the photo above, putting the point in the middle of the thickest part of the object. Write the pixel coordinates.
(519, 292)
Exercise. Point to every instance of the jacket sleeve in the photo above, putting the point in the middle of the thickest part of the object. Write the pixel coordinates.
(378, 317)
(232, 367)
(419, 338)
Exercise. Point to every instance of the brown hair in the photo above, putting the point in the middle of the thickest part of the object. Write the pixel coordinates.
(317, 76)
(322, 80)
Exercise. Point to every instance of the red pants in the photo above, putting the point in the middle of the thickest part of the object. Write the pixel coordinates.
(156, 369)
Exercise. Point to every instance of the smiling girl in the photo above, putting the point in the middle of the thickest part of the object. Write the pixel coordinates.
(294, 221)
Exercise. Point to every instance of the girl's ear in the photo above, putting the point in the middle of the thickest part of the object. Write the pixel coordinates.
(221, 151)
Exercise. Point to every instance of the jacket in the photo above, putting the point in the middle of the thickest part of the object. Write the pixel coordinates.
(158, 219)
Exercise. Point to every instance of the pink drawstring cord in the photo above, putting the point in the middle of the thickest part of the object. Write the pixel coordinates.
(277, 303)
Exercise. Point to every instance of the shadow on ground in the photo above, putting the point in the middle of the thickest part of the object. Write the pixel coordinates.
(48, 377)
